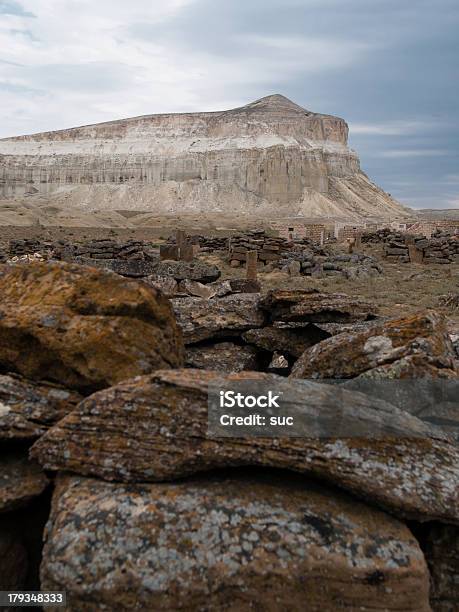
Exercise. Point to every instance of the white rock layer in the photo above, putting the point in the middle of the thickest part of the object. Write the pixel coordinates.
(269, 157)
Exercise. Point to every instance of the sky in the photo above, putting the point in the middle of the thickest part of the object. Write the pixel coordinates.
(389, 67)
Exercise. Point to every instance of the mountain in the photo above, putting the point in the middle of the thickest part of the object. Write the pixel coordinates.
(270, 158)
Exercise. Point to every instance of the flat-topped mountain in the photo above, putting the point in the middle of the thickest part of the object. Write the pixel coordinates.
(271, 157)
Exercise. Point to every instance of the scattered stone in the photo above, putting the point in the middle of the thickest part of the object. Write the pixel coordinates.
(312, 306)
(81, 327)
(224, 357)
(383, 344)
(202, 319)
(154, 428)
(28, 409)
(20, 481)
(228, 544)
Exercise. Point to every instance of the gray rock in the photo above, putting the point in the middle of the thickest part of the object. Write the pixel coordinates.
(251, 543)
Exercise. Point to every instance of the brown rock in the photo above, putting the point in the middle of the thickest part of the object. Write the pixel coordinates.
(13, 562)
(83, 327)
(223, 357)
(155, 428)
(348, 355)
(201, 319)
(20, 481)
(314, 307)
(27, 409)
(441, 548)
(235, 544)
(291, 341)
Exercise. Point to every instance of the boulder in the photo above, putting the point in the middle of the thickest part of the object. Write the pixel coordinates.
(201, 319)
(155, 428)
(289, 341)
(223, 357)
(314, 307)
(28, 408)
(13, 562)
(190, 270)
(20, 481)
(233, 543)
(82, 327)
(441, 548)
(347, 355)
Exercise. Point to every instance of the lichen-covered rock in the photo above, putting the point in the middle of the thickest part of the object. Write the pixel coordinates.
(20, 481)
(155, 428)
(389, 344)
(13, 562)
(289, 341)
(28, 409)
(441, 548)
(223, 357)
(82, 327)
(313, 307)
(201, 319)
(232, 544)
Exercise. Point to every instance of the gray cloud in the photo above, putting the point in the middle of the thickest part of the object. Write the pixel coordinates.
(388, 67)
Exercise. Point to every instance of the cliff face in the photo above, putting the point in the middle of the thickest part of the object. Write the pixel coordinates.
(271, 157)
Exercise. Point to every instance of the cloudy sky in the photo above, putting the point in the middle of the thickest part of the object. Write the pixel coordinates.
(389, 67)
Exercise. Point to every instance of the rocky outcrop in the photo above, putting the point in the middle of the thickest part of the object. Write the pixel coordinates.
(269, 157)
(228, 544)
(154, 428)
(27, 409)
(411, 347)
(82, 327)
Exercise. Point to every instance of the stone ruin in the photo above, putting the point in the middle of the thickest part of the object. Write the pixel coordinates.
(400, 247)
